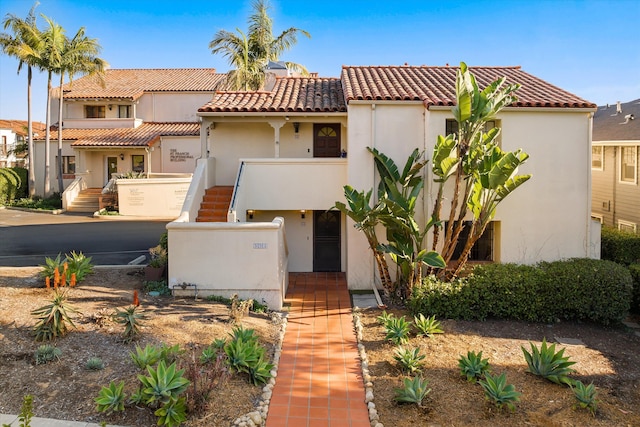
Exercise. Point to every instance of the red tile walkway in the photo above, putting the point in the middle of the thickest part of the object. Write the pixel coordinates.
(319, 382)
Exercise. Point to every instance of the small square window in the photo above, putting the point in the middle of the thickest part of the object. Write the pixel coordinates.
(597, 157)
(94, 111)
(137, 163)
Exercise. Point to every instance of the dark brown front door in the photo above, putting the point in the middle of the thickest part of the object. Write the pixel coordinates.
(326, 140)
(112, 167)
(326, 241)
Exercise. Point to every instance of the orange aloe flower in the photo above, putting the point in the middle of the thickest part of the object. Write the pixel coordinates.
(73, 280)
(56, 277)
(47, 282)
(66, 266)
(136, 301)
(63, 280)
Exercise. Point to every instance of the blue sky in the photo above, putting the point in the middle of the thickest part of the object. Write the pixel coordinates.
(590, 47)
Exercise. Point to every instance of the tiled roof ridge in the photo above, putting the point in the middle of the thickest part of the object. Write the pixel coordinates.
(163, 69)
(243, 92)
(506, 67)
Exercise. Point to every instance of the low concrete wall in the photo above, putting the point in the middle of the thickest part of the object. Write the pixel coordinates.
(248, 259)
(152, 197)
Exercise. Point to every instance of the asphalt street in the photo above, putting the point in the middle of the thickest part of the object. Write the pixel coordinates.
(26, 238)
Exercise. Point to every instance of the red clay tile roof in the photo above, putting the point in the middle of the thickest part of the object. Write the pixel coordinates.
(130, 84)
(19, 127)
(611, 126)
(290, 94)
(144, 135)
(436, 85)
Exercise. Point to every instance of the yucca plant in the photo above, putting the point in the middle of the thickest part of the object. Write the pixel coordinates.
(409, 360)
(473, 366)
(497, 390)
(46, 353)
(397, 330)
(147, 356)
(172, 413)
(549, 364)
(163, 384)
(414, 391)
(131, 319)
(111, 398)
(427, 326)
(586, 396)
(53, 318)
(94, 364)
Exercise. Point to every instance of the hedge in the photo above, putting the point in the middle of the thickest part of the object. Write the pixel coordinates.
(635, 274)
(9, 183)
(620, 246)
(23, 189)
(579, 289)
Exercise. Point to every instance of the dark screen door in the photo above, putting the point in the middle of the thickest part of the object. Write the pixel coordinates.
(326, 241)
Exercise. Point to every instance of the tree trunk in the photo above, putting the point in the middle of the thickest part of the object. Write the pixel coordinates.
(30, 144)
(47, 146)
(59, 161)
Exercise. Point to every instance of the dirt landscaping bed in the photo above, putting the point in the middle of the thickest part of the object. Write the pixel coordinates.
(65, 389)
(608, 357)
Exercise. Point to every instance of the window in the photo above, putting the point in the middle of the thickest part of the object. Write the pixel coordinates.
(4, 149)
(628, 164)
(137, 163)
(482, 250)
(627, 226)
(598, 218)
(124, 111)
(68, 165)
(596, 157)
(94, 111)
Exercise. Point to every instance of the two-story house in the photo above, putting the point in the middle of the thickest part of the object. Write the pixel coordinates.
(614, 165)
(142, 120)
(278, 158)
(13, 135)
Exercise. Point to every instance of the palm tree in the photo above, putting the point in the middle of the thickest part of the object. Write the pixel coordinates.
(78, 56)
(250, 54)
(53, 39)
(25, 44)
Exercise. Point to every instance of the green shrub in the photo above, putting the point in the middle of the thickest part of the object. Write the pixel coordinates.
(581, 289)
(23, 188)
(9, 183)
(619, 246)
(634, 269)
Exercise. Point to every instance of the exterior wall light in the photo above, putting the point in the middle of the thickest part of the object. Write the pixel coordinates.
(250, 213)
(296, 127)
(303, 213)
(121, 156)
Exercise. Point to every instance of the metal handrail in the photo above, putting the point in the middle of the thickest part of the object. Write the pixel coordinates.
(236, 187)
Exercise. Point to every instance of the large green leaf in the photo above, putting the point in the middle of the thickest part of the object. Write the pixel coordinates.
(445, 159)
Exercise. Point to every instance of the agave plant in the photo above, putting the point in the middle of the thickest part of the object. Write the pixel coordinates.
(549, 364)
(46, 353)
(427, 326)
(414, 391)
(497, 390)
(409, 360)
(147, 356)
(53, 318)
(173, 413)
(131, 319)
(163, 384)
(586, 396)
(473, 366)
(111, 398)
(397, 330)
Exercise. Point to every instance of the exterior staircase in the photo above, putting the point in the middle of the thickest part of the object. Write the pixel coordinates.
(215, 204)
(87, 201)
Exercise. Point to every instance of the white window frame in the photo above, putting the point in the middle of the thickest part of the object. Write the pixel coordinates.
(601, 167)
(597, 217)
(632, 226)
(621, 179)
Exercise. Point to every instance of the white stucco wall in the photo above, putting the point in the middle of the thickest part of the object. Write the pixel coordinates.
(153, 197)
(179, 154)
(548, 218)
(39, 162)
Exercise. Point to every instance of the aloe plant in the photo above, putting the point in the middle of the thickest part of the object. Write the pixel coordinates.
(111, 398)
(53, 318)
(497, 390)
(163, 383)
(413, 391)
(473, 366)
(548, 363)
(131, 319)
(148, 356)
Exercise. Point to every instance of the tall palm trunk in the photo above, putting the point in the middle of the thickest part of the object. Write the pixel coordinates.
(59, 162)
(47, 139)
(30, 144)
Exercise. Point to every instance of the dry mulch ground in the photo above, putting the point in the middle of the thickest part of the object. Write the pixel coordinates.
(609, 357)
(65, 389)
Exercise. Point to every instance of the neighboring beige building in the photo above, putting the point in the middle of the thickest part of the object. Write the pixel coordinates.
(142, 120)
(614, 166)
(13, 133)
